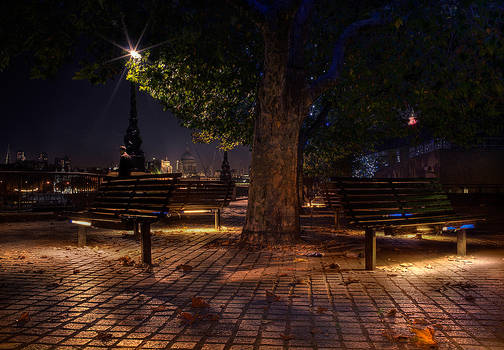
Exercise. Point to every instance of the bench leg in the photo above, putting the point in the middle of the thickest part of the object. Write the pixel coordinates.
(370, 249)
(136, 231)
(217, 219)
(146, 243)
(81, 236)
(461, 242)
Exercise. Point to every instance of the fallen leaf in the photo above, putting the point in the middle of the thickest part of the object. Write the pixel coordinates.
(286, 336)
(25, 317)
(104, 336)
(334, 266)
(406, 264)
(184, 268)
(300, 259)
(160, 308)
(126, 261)
(391, 313)
(428, 266)
(321, 309)
(424, 336)
(470, 298)
(198, 302)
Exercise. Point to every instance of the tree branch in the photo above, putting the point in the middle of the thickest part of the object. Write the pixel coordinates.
(257, 7)
(254, 9)
(329, 79)
(299, 33)
(318, 122)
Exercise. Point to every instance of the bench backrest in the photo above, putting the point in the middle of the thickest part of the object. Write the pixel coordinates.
(156, 195)
(385, 201)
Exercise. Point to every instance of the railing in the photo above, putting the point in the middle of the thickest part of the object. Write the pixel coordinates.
(43, 190)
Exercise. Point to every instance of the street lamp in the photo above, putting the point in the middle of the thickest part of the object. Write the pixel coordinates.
(135, 54)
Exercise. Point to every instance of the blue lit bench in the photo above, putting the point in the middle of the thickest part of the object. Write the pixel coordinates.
(395, 204)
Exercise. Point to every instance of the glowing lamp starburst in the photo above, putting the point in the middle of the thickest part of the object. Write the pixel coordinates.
(135, 55)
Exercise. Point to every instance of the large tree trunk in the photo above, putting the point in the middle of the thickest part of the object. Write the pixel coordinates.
(273, 206)
(273, 203)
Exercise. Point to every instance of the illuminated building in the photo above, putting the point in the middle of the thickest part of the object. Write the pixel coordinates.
(166, 167)
(189, 164)
(63, 164)
(20, 156)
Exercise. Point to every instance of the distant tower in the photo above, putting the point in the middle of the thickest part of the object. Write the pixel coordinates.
(188, 163)
(132, 139)
(225, 175)
(8, 156)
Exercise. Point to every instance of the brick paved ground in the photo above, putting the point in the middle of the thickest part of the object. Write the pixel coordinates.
(84, 298)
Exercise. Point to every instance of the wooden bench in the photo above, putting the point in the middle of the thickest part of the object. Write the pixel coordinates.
(388, 204)
(136, 202)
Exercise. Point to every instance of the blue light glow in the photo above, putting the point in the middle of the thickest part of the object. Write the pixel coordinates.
(466, 226)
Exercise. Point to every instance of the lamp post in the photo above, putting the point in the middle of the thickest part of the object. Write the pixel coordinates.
(132, 139)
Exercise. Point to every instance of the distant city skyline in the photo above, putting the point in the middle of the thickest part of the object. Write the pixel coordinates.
(87, 123)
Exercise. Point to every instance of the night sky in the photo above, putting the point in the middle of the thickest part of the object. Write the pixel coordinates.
(87, 122)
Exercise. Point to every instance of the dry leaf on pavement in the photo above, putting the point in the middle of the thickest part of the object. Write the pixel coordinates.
(286, 336)
(104, 336)
(425, 337)
(160, 308)
(188, 317)
(334, 266)
(184, 268)
(25, 317)
(126, 261)
(391, 313)
(321, 309)
(198, 302)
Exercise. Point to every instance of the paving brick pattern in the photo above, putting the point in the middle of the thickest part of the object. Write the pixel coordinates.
(85, 298)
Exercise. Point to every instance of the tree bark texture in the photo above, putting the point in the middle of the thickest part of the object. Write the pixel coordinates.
(273, 205)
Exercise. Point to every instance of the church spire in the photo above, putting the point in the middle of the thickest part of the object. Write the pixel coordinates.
(132, 139)
(225, 175)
